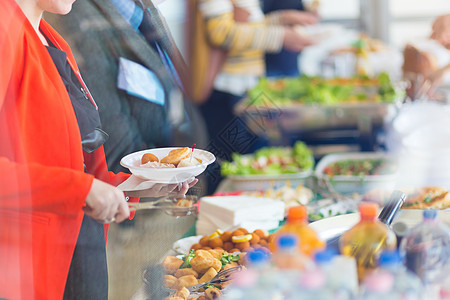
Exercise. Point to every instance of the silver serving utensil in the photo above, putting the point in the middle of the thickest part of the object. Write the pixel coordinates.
(222, 276)
(170, 205)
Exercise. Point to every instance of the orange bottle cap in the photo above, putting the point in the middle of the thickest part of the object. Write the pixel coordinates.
(296, 213)
(368, 210)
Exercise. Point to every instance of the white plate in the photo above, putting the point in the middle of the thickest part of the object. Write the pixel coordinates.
(166, 175)
(182, 246)
(333, 226)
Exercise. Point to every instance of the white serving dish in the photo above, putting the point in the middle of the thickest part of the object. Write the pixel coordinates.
(166, 175)
(353, 184)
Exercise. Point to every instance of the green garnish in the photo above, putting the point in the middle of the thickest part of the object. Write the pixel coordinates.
(187, 259)
(227, 259)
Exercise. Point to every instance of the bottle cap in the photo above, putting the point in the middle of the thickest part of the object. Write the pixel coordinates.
(297, 213)
(379, 282)
(324, 256)
(287, 241)
(368, 210)
(430, 214)
(257, 256)
(389, 257)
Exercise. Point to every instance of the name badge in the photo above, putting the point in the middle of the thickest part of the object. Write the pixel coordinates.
(139, 81)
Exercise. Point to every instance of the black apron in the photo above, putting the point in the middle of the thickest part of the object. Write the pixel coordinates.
(88, 275)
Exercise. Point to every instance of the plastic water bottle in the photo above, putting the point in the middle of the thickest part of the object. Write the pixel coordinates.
(311, 286)
(367, 239)
(243, 286)
(426, 249)
(336, 280)
(287, 255)
(406, 284)
(378, 285)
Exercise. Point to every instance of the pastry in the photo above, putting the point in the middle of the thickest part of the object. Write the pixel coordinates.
(149, 157)
(176, 155)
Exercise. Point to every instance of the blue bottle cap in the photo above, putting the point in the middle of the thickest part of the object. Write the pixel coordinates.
(324, 256)
(389, 257)
(257, 256)
(430, 214)
(287, 241)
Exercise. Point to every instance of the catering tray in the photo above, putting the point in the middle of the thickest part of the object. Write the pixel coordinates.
(343, 184)
(263, 120)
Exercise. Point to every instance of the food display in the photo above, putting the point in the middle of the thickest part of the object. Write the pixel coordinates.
(271, 161)
(239, 240)
(316, 90)
(360, 167)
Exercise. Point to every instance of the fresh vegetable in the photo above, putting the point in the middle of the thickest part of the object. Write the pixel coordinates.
(311, 90)
(360, 167)
(271, 161)
(187, 259)
(228, 258)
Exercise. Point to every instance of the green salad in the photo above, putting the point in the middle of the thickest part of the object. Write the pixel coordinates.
(271, 161)
(311, 89)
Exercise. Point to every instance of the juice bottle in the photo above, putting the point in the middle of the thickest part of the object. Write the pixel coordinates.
(367, 239)
(297, 224)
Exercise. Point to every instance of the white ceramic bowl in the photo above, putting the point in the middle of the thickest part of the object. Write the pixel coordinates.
(166, 175)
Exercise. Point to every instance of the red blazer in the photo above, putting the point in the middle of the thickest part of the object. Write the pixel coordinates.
(43, 185)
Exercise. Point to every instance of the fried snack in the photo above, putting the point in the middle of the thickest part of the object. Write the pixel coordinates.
(227, 246)
(230, 265)
(261, 233)
(170, 281)
(208, 275)
(255, 239)
(184, 203)
(202, 297)
(186, 281)
(226, 236)
(203, 260)
(174, 298)
(182, 293)
(212, 293)
(196, 246)
(242, 246)
(149, 157)
(216, 253)
(237, 232)
(171, 264)
(204, 241)
(428, 197)
(176, 155)
(183, 272)
(215, 243)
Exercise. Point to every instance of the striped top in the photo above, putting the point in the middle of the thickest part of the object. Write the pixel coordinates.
(246, 41)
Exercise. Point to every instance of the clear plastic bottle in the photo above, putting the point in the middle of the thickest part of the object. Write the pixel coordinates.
(426, 249)
(311, 286)
(367, 239)
(406, 284)
(378, 286)
(297, 223)
(288, 256)
(335, 282)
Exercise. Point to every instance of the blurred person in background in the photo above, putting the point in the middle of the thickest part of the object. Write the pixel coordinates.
(241, 30)
(55, 189)
(286, 63)
(137, 73)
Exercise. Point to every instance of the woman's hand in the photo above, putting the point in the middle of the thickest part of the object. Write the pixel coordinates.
(441, 30)
(292, 17)
(160, 190)
(106, 203)
(294, 41)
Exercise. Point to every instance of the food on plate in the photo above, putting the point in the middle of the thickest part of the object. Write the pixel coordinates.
(183, 272)
(188, 162)
(208, 275)
(182, 293)
(170, 281)
(186, 281)
(157, 165)
(212, 293)
(271, 161)
(316, 90)
(204, 260)
(183, 202)
(171, 264)
(361, 167)
(149, 157)
(176, 155)
(429, 197)
(240, 240)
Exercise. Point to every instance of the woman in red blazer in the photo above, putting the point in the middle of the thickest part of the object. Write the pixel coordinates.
(47, 182)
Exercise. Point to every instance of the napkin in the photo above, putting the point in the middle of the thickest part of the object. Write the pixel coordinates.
(229, 211)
